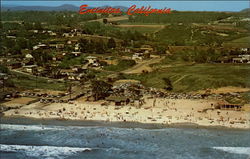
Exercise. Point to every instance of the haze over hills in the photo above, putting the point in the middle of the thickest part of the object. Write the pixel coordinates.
(65, 7)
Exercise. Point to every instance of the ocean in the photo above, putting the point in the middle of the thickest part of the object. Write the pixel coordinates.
(39, 141)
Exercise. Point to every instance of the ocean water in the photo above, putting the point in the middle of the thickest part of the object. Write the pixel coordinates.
(97, 142)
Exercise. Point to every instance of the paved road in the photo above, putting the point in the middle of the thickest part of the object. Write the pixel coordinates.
(142, 66)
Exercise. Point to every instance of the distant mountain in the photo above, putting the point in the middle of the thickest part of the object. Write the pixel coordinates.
(245, 10)
(121, 7)
(65, 7)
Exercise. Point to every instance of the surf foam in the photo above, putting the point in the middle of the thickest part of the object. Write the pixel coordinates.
(236, 150)
(45, 151)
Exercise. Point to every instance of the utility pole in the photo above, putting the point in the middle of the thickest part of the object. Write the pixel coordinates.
(3, 84)
(36, 80)
(70, 91)
(3, 77)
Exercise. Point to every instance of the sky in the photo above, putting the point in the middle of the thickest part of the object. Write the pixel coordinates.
(181, 5)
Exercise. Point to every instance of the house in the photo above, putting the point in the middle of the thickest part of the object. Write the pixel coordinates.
(245, 49)
(228, 106)
(52, 33)
(241, 59)
(68, 35)
(33, 31)
(146, 48)
(140, 56)
(30, 68)
(245, 57)
(67, 73)
(69, 42)
(3, 75)
(80, 76)
(28, 60)
(35, 47)
(72, 42)
(77, 47)
(245, 19)
(3, 60)
(40, 46)
(28, 56)
(137, 56)
(77, 69)
(78, 33)
(237, 60)
(127, 50)
(76, 53)
(59, 46)
(91, 59)
(10, 37)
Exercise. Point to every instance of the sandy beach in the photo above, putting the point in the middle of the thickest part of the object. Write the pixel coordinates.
(153, 111)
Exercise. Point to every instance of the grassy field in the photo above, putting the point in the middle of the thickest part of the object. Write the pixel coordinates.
(30, 82)
(240, 42)
(198, 77)
(142, 29)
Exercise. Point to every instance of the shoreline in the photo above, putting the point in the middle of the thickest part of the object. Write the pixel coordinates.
(22, 120)
(158, 112)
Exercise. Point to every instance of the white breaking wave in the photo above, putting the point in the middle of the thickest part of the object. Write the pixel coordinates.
(44, 151)
(41, 127)
(27, 127)
(235, 150)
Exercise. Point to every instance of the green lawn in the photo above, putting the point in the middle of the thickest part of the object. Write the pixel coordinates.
(198, 77)
(242, 40)
(30, 82)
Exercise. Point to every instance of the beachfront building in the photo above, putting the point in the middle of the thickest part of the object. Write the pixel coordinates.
(228, 106)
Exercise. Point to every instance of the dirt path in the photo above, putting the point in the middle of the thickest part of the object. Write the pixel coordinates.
(142, 66)
(180, 79)
(125, 17)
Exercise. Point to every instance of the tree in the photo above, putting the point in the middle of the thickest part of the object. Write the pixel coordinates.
(111, 43)
(100, 47)
(168, 84)
(105, 21)
(161, 50)
(38, 26)
(16, 49)
(101, 89)
(84, 44)
(131, 19)
(3, 69)
(92, 27)
(22, 43)
(28, 26)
